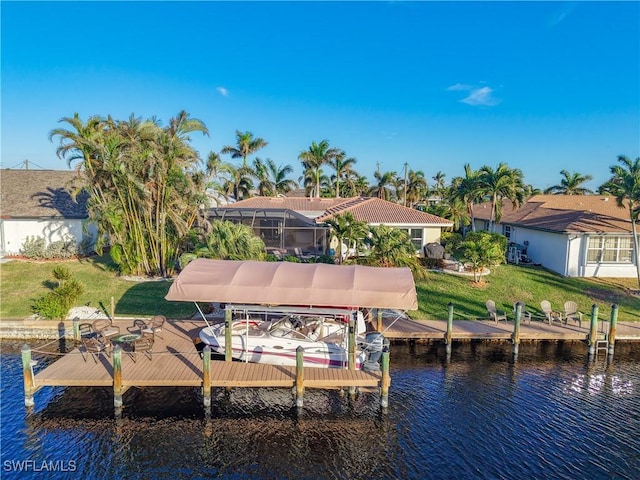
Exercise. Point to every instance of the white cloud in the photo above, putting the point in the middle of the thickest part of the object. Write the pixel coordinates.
(222, 91)
(478, 96)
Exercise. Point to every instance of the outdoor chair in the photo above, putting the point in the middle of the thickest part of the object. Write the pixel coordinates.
(571, 313)
(549, 313)
(86, 330)
(144, 345)
(493, 313)
(155, 325)
(94, 346)
(524, 314)
(106, 329)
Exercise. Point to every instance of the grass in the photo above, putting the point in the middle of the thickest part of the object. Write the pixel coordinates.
(22, 282)
(508, 284)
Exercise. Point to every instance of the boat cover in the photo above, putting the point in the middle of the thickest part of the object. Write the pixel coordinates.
(300, 284)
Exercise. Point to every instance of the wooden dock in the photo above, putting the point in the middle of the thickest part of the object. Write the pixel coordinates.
(176, 362)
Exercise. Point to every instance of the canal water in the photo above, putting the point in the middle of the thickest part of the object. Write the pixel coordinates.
(550, 415)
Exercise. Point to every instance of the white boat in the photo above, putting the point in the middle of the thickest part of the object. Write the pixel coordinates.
(272, 335)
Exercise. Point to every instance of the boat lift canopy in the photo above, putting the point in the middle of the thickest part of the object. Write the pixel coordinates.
(288, 283)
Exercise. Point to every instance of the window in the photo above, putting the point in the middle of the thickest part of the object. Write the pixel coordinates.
(415, 234)
(507, 231)
(609, 249)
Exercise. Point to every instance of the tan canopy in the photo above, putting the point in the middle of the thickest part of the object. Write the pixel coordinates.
(300, 284)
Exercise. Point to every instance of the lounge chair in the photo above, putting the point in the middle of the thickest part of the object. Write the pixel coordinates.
(95, 346)
(524, 314)
(104, 327)
(571, 313)
(493, 313)
(549, 313)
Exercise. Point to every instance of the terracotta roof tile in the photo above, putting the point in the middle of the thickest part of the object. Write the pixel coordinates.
(40, 194)
(565, 213)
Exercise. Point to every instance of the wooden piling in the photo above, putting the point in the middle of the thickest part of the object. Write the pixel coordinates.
(612, 329)
(515, 338)
(112, 309)
(299, 377)
(352, 343)
(76, 328)
(117, 376)
(227, 334)
(379, 325)
(449, 333)
(27, 372)
(593, 330)
(385, 381)
(206, 377)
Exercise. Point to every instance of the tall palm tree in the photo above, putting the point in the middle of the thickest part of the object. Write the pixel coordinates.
(231, 241)
(317, 155)
(239, 183)
(503, 182)
(571, 184)
(391, 247)
(246, 144)
(278, 175)
(467, 189)
(439, 185)
(383, 187)
(343, 167)
(625, 186)
(347, 230)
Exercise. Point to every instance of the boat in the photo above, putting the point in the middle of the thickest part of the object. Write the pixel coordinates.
(272, 335)
(272, 308)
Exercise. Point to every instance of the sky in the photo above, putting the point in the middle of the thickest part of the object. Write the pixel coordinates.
(541, 86)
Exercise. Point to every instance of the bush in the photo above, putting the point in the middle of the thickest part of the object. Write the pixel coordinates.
(57, 303)
(36, 248)
(292, 259)
(33, 247)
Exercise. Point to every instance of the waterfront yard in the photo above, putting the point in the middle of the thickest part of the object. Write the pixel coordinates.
(24, 281)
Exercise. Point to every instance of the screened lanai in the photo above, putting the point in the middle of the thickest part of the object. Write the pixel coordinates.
(280, 229)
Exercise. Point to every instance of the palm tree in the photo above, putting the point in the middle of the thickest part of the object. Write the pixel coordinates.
(231, 241)
(342, 166)
(384, 183)
(439, 185)
(218, 172)
(345, 227)
(391, 247)
(317, 155)
(239, 183)
(278, 176)
(625, 186)
(416, 187)
(468, 190)
(246, 144)
(503, 182)
(571, 184)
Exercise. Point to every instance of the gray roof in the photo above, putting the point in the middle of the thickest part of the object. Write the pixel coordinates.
(40, 194)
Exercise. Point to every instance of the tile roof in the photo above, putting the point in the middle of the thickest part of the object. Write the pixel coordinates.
(368, 209)
(565, 213)
(39, 194)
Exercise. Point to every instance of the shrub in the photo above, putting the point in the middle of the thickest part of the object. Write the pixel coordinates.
(33, 247)
(292, 259)
(57, 303)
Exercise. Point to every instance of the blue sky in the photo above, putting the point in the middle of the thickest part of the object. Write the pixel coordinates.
(542, 86)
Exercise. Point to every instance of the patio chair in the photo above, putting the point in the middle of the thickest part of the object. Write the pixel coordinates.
(524, 314)
(571, 313)
(144, 345)
(106, 329)
(493, 313)
(154, 325)
(549, 313)
(86, 330)
(94, 346)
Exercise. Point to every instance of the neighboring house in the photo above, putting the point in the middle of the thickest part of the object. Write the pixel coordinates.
(288, 223)
(574, 235)
(38, 203)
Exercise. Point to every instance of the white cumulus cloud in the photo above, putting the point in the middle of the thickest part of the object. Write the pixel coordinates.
(478, 96)
(222, 91)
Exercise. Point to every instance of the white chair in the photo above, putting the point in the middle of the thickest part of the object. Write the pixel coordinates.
(493, 313)
(571, 313)
(550, 314)
(524, 314)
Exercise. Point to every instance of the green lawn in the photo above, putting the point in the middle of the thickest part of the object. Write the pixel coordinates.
(509, 283)
(22, 282)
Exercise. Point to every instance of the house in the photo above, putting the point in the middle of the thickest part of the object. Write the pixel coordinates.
(39, 203)
(573, 235)
(289, 223)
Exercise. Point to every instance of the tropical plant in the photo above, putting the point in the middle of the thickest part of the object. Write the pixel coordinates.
(347, 230)
(439, 185)
(391, 247)
(239, 183)
(571, 184)
(144, 188)
(416, 187)
(229, 241)
(625, 186)
(246, 144)
(317, 155)
(503, 182)
(481, 250)
(467, 189)
(343, 168)
(384, 186)
(57, 303)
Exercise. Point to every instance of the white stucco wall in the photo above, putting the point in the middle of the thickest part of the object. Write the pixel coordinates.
(16, 231)
(548, 249)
